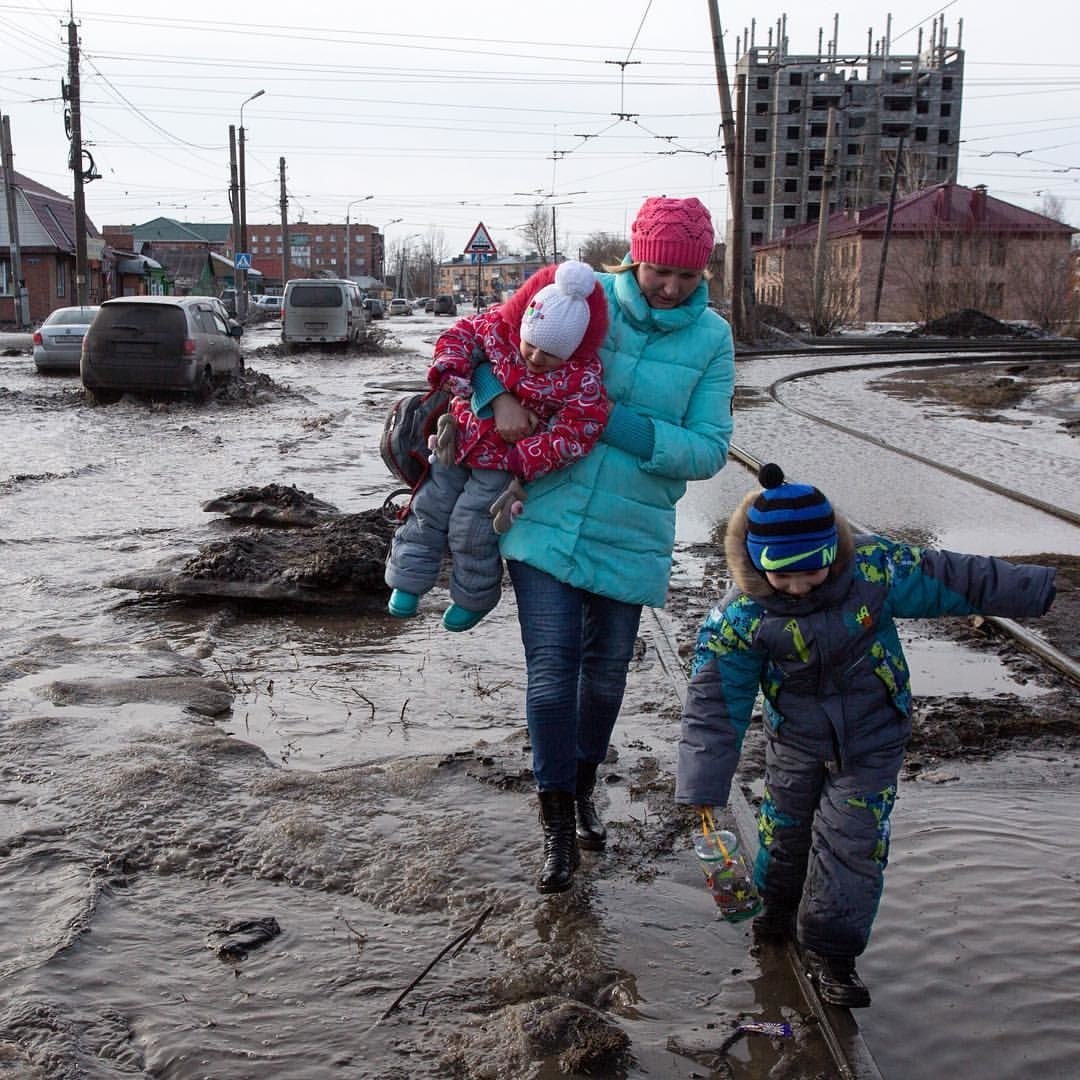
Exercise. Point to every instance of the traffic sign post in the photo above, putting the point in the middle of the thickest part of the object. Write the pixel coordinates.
(243, 260)
(480, 248)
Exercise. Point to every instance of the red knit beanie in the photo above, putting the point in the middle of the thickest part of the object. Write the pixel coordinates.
(672, 232)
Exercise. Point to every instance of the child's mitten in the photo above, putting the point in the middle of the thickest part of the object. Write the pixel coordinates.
(507, 506)
(443, 444)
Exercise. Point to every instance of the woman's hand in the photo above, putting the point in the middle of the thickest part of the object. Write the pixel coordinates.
(512, 420)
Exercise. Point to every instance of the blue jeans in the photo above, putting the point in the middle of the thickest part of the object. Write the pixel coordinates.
(578, 647)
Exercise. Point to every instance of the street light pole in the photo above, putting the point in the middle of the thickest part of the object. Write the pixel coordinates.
(382, 239)
(241, 275)
(348, 233)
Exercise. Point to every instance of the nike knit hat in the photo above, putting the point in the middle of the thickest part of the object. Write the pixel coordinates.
(558, 315)
(790, 527)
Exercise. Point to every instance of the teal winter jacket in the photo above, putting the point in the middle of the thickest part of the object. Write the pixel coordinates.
(606, 523)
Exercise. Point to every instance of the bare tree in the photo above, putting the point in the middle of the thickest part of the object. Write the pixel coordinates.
(838, 302)
(1041, 286)
(603, 249)
(537, 232)
(432, 254)
(1053, 207)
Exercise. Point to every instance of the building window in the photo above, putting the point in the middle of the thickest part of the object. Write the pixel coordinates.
(813, 183)
(759, 161)
(920, 134)
(819, 131)
(5, 278)
(318, 238)
(997, 252)
(756, 237)
(266, 238)
(856, 122)
(757, 213)
(791, 160)
(791, 185)
(757, 187)
(946, 82)
(854, 149)
(761, 134)
(761, 108)
(763, 82)
(793, 132)
(922, 107)
(817, 159)
(898, 104)
(789, 213)
(61, 274)
(794, 105)
(946, 108)
(943, 138)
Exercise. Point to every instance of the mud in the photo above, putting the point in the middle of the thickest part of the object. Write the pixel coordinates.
(969, 324)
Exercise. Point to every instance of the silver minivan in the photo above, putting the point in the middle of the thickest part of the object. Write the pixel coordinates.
(322, 311)
(159, 343)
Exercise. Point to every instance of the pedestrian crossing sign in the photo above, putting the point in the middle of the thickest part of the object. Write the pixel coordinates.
(243, 260)
(481, 242)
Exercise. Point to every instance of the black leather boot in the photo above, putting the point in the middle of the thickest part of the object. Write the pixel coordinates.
(591, 833)
(560, 844)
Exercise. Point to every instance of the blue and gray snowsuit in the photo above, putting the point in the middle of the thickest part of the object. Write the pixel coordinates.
(837, 705)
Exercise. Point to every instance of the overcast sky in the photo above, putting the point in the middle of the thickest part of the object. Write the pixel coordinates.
(450, 114)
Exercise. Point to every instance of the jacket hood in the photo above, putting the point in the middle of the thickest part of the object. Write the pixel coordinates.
(513, 309)
(750, 579)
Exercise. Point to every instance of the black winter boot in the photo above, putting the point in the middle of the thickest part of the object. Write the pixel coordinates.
(560, 844)
(591, 833)
(836, 981)
(775, 924)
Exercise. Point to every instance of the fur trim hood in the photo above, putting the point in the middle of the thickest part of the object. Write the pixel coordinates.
(748, 577)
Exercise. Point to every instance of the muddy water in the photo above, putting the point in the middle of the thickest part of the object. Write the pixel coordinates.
(369, 791)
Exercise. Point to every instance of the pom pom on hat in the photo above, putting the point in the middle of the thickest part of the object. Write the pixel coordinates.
(791, 528)
(672, 232)
(558, 315)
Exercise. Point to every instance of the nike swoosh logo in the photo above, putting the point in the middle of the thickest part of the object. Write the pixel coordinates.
(779, 564)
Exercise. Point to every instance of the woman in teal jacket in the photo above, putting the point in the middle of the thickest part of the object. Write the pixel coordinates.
(594, 541)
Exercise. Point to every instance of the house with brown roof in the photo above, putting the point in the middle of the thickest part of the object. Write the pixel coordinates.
(949, 248)
(45, 222)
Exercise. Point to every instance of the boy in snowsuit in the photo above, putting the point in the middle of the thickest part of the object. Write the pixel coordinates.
(810, 622)
(542, 344)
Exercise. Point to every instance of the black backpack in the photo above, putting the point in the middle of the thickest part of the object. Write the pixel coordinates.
(404, 441)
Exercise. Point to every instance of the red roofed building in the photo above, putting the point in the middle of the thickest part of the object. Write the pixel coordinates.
(950, 248)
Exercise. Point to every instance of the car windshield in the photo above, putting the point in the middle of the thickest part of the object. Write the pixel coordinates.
(316, 296)
(142, 317)
(72, 316)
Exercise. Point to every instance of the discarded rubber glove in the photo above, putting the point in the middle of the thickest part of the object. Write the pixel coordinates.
(507, 506)
(443, 444)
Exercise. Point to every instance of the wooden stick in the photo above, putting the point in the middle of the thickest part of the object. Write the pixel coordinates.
(459, 942)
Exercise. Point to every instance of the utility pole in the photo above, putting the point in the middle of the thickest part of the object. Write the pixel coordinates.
(823, 225)
(738, 212)
(732, 156)
(75, 163)
(888, 230)
(284, 223)
(6, 161)
(234, 205)
(554, 239)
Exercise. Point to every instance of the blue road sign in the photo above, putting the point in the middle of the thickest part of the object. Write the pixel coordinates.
(243, 260)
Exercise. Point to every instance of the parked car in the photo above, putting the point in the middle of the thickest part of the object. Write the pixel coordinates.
(429, 304)
(271, 305)
(159, 343)
(400, 306)
(445, 305)
(421, 303)
(58, 341)
(375, 308)
(322, 311)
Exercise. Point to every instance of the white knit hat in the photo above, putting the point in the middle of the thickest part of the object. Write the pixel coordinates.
(558, 315)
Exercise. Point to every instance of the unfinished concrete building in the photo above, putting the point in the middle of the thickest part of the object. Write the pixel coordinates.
(883, 107)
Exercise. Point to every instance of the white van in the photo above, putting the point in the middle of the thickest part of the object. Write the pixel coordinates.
(322, 311)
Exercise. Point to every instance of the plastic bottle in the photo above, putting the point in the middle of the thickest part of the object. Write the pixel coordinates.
(726, 874)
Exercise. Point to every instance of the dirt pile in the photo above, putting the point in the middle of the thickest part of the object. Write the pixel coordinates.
(970, 324)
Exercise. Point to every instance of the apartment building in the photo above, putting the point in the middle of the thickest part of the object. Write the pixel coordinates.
(880, 105)
(313, 249)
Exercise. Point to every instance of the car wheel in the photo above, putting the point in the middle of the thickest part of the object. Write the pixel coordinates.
(101, 396)
(204, 385)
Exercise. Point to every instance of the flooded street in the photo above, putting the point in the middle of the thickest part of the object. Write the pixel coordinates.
(235, 834)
